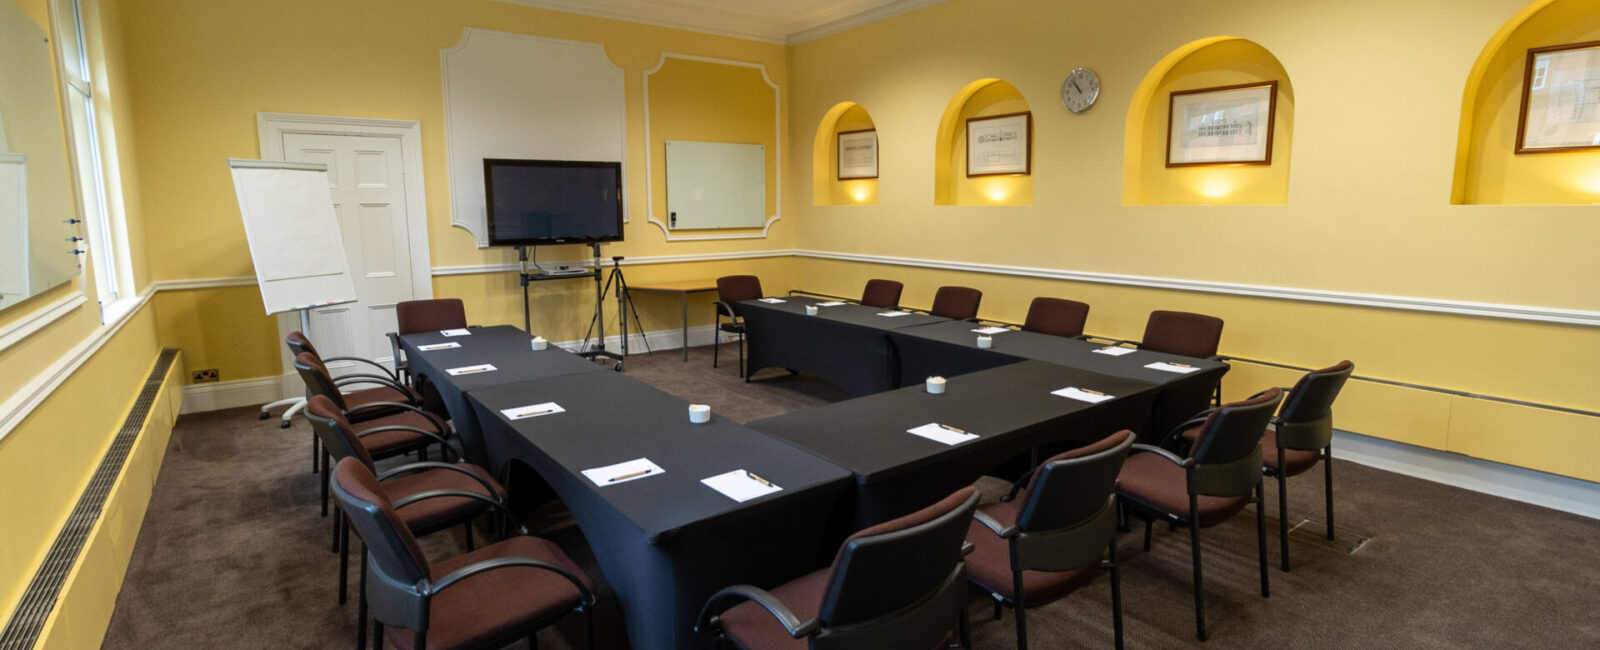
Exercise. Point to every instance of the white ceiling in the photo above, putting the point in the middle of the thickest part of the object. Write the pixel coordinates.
(774, 21)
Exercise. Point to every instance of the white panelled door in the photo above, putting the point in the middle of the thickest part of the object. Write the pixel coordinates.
(369, 196)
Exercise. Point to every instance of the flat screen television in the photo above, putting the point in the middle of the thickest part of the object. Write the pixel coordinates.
(552, 201)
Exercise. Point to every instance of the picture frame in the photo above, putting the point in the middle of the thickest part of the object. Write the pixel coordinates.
(1223, 125)
(857, 152)
(1000, 145)
(1560, 108)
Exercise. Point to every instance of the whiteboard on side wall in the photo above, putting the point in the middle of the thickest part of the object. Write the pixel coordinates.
(716, 185)
(294, 235)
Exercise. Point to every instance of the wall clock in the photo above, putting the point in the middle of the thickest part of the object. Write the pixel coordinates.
(1080, 90)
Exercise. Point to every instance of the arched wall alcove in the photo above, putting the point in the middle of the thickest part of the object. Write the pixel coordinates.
(951, 185)
(1488, 169)
(826, 186)
(1205, 63)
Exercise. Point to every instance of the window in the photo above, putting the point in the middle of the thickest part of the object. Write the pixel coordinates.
(100, 232)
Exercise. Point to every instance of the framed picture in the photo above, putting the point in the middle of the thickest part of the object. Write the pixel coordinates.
(858, 154)
(1000, 144)
(1560, 99)
(1226, 125)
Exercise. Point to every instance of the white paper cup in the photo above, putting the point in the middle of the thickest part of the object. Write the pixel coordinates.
(936, 385)
(539, 343)
(699, 413)
(985, 341)
(811, 310)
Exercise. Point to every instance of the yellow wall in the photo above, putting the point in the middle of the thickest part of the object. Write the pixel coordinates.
(1490, 172)
(706, 101)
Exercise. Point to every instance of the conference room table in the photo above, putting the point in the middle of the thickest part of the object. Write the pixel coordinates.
(507, 348)
(1010, 409)
(844, 343)
(951, 348)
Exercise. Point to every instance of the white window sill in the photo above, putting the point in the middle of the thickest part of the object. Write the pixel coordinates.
(117, 310)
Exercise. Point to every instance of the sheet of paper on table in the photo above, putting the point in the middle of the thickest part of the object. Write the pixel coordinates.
(471, 370)
(892, 314)
(739, 486)
(939, 433)
(1115, 351)
(532, 411)
(438, 346)
(1171, 367)
(632, 470)
(1082, 395)
(831, 303)
(773, 301)
(456, 332)
(992, 330)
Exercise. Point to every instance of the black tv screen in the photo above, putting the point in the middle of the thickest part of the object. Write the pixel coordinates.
(552, 201)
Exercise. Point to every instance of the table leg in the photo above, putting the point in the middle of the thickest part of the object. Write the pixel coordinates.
(685, 325)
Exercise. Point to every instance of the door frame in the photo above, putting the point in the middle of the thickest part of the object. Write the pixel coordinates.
(270, 129)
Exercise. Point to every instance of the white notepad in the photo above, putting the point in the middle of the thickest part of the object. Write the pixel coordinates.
(623, 472)
(456, 332)
(772, 301)
(830, 303)
(1082, 395)
(471, 370)
(532, 411)
(1171, 367)
(940, 433)
(740, 486)
(892, 314)
(1115, 351)
(991, 330)
(438, 346)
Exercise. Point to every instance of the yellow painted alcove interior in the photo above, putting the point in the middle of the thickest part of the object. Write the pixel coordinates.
(951, 186)
(1488, 169)
(710, 101)
(826, 188)
(1205, 63)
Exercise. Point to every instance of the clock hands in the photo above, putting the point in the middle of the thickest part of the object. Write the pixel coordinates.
(1075, 86)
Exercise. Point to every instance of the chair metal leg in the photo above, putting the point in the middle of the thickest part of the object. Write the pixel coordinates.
(1148, 525)
(468, 526)
(1283, 519)
(325, 478)
(338, 514)
(1199, 593)
(716, 339)
(344, 560)
(964, 630)
(1327, 472)
(361, 625)
(533, 641)
(997, 612)
(316, 451)
(1019, 610)
(588, 628)
(1116, 594)
(421, 637)
(377, 635)
(1261, 533)
(742, 371)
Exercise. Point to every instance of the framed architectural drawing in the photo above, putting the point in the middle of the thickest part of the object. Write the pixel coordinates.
(1560, 99)
(1226, 125)
(1000, 144)
(858, 154)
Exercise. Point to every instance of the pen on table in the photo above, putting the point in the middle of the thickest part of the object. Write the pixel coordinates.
(1091, 391)
(624, 477)
(753, 476)
(529, 415)
(473, 370)
(1180, 365)
(950, 428)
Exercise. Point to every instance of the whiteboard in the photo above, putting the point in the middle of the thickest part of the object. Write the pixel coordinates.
(294, 234)
(716, 185)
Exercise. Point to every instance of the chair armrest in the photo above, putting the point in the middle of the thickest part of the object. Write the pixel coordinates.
(967, 548)
(394, 344)
(505, 563)
(387, 372)
(443, 444)
(434, 419)
(1003, 532)
(371, 379)
(1194, 421)
(489, 486)
(1181, 462)
(725, 309)
(1016, 486)
(780, 611)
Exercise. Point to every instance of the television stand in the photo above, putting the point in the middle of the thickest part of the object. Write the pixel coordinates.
(599, 351)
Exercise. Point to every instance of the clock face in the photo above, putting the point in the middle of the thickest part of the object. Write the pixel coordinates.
(1080, 90)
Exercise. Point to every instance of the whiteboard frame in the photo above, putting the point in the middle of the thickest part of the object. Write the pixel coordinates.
(273, 291)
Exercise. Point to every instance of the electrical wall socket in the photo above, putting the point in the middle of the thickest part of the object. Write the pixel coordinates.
(203, 376)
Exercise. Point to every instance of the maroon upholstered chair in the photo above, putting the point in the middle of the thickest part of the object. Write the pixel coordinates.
(387, 429)
(419, 492)
(413, 316)
(1181, 332)
(899, 584)
(956, 303)
(1056, 316)
(1048, 537)
(883, 294)
(732, 290)
(1208, 486)
(483, 599)
(389, 386)
(1300, 436)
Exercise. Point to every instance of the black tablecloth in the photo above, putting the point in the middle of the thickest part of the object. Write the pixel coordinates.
(505, 347)
(666, 542)
(845, 344)
(951, 348)
(1010, 408)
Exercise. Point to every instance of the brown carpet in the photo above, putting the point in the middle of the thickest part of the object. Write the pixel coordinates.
(232, 553)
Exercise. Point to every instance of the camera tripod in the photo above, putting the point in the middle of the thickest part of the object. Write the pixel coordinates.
(624, 307)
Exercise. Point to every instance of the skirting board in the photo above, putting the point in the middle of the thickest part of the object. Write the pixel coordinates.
(1468, 473)
(199, 398)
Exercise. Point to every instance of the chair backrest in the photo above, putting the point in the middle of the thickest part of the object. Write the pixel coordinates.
(1306, 419)
(883, 294)
(298, 343)
(318, 380)
(958, 303)
(1072, 486)
(733, 289)
(335, 431)
(415, 316)
(1181, 332)
(1227, 451)
(1056, 316)
(397, 566)
(887, 569)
